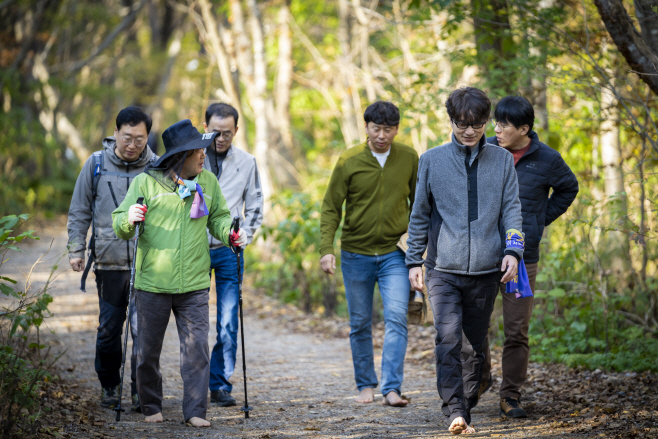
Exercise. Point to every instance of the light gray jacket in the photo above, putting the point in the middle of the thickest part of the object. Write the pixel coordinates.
(112, 253)
(462, 208)
(240, 184)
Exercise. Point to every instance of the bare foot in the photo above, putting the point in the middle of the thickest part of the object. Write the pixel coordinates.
(154, 418)
(394, 400)
(198, 422)
(469, 430)
(366, 396)
(458, 426)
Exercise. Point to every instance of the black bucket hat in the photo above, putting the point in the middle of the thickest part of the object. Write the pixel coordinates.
(182, 136)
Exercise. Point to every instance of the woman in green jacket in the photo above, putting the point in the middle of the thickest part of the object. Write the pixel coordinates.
(181, 201)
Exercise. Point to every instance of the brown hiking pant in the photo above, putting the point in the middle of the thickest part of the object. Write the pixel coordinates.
(516, 320)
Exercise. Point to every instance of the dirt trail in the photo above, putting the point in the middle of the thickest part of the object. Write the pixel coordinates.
(300, 384)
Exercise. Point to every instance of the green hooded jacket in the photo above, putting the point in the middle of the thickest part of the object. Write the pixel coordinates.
(172, 254)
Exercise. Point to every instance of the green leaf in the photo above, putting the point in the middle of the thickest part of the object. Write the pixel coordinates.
(540, 295)
(578, 326)
(542, 277)
(9, 279)
(7, 290)
(557, 293)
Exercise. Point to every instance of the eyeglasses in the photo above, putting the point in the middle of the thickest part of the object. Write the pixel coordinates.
(463, 125)
(495, 123)
(127, 140)
(226, 135)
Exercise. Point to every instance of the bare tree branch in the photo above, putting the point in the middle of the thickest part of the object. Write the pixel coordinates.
(127, 21)
(630, 43)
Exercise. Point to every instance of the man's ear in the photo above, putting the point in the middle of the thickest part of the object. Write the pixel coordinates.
(236, 130)
(205, 127)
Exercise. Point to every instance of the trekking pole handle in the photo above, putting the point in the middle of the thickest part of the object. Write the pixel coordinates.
(235, 225)
(140, 200)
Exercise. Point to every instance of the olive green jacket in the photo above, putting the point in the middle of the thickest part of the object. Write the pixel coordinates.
(172, 254)
(377, 200)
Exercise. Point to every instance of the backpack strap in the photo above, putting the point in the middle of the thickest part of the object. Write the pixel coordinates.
(97, 170)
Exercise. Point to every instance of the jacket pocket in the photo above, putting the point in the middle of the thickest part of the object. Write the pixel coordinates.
(140, 264)
(197, 263)
(452, 250)
(108, 248)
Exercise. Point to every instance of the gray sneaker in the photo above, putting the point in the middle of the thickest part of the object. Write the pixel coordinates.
(110, 396)
(222, 398)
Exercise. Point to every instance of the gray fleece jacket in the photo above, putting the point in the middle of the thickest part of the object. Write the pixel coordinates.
(240, 184)
(112, 253)
(462, 206)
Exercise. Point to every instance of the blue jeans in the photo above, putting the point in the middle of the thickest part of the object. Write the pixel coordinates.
(222, 360)
(360, 272)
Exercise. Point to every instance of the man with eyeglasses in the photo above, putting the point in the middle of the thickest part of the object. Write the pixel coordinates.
(237, 173)
(539, 169)
(101, 187)
(466, 188)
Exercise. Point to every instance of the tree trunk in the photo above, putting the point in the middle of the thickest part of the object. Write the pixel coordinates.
(209, 32)
(258, 103)
(615, 243)
(494, 43)
(284, 79)
(345, 87)
(637, 49)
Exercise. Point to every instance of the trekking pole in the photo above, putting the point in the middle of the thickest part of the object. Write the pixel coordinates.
(235, 249)
(118, 408)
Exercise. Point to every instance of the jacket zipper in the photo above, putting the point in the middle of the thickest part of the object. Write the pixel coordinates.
(182, 246)
(381, 207)
(127, 187)
(468, 203)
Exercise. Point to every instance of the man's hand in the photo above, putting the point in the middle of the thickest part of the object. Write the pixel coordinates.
(328, 263)
(77, 264)
(511, 264)
(416, 278)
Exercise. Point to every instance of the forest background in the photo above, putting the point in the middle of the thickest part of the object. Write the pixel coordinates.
(301, 73)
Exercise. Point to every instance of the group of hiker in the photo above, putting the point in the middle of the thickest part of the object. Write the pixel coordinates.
(186, 232)
(474, 209)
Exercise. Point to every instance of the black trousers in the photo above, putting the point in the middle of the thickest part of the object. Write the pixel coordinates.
(113, 288)
(461, 304)
(193, 324)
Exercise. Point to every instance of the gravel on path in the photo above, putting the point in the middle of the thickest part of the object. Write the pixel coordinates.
(301, 384)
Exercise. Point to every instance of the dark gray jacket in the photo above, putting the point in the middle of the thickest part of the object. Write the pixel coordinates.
(112, 253)
(461, 207)
(540, 170)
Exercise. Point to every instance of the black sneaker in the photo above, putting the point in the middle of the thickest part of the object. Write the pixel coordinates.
(135, 407)
(110, 396)
(510, 408)
(222, 398)
(485, 384)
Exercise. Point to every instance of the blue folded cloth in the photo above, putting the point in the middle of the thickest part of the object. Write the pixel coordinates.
(520, 285)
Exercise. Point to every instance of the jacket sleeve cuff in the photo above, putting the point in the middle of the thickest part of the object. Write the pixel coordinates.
(410, 266)
(77, 254)
(513, 252)
(326, 250)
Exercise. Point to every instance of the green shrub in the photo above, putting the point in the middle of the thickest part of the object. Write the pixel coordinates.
(23, 363)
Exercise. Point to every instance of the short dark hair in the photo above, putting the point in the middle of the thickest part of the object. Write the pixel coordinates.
(382, 113)
(516, 110)
(222, 110)
(133, 116)
(468, 104)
